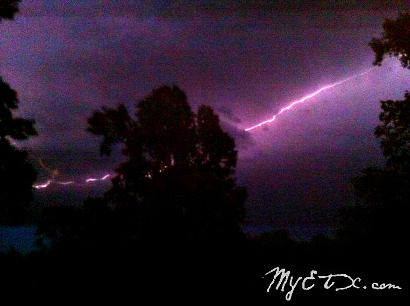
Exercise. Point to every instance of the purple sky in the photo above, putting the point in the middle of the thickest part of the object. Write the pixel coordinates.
(66, 60)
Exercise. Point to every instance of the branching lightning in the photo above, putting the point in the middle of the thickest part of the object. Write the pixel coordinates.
(306, 98)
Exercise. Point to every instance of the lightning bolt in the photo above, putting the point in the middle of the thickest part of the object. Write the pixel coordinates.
(86, 181)
(96, 179)
(306, 98)
(54, 173)
(41, 186)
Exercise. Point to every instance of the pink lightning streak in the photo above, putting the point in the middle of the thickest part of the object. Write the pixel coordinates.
(49, 182)
(306, 98)
(89, 180)
(54, 173)
(95, 179)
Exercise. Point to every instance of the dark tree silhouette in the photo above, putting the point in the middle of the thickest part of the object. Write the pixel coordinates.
(16, 174)
(178, 179)
(394, 133)
(395, 40)
(376, 226)
(8, 8)
(384, 194)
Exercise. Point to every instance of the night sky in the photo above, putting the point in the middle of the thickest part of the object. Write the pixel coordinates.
(246, 60)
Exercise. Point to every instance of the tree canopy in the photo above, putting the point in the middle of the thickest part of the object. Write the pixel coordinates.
(395, 40)
(390, 185)
(383, 194)
(179, 174)
(11, 127)
(16, 174)
(394, 133)
(8, 9)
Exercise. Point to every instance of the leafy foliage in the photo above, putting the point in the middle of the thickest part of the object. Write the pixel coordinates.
(178, 179)
(383, 195)
(16, 128)
(8, 8)
(16, 174)
(381, 187)
(395, 40)
(394, 133)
